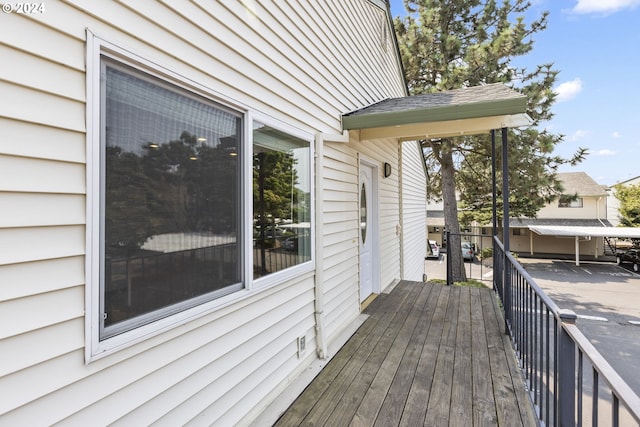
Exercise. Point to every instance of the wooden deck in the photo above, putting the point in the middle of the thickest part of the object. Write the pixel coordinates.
(428, 355)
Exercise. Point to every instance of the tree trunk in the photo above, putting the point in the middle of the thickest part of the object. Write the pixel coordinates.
(449, 200)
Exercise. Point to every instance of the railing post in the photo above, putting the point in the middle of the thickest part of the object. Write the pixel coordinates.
(506, 280)
(448, 237)
(566, 371)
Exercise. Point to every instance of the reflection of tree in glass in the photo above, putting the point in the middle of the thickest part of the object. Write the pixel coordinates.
(180, 186)
(126, 207)
(274, 177)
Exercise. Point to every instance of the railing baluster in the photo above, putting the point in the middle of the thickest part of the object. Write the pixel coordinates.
(540, 346)
(557, 385)
(567, 370)
(556, 342)
(580, 384)
(534, 334)
(529, 336)
(594, 394)
(548, 360)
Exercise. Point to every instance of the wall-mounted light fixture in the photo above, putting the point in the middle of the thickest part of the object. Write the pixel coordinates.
(387, 170)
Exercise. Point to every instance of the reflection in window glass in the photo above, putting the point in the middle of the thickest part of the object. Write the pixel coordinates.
(569, 202)
(171, 200)
(281, 200)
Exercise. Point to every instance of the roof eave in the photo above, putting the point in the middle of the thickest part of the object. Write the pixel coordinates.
(446, 128)
(435, 114)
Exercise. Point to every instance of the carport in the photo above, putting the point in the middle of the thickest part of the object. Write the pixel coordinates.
(582, 232)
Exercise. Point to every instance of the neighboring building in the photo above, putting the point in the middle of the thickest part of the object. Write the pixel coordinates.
(435, 221)
(199, 198)
(613, 204)
(582, 204)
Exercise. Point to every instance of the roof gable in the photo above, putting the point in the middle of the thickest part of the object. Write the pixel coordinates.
(581, 184)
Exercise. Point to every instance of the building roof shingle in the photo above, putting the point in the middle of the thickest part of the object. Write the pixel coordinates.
(581, 184)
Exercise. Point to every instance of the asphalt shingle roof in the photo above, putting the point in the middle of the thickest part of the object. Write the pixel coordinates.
(456, 97)
(581, 184)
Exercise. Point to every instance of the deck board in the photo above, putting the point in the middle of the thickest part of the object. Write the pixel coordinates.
(427, 355)
(415, 407)
(394, 402)
(461, 393)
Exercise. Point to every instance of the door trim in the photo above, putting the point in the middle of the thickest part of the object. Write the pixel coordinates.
(373, 227)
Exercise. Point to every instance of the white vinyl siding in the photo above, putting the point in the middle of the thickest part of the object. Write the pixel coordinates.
(340, 250)
(303, 64)
(341, 225)
(414, 214)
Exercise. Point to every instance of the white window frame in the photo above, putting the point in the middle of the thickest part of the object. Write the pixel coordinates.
(95, 349)
(296, 270)
(573, 204)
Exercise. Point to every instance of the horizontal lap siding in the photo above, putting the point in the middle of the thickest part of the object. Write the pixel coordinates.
(389, 207)
(414, 217)
(194, 369)
(340, 225)
(304, 63)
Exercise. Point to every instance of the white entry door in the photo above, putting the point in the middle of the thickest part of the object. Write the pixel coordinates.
(368, 230)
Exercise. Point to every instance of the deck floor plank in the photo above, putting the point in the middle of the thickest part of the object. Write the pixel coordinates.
(338, 397)
(369, 408)
(440, 399)
(461, 394)
(503, 391)
(427, 355)
(378, 360)
(325, 379)
(416, 405)
(394, 403)
(484, 406)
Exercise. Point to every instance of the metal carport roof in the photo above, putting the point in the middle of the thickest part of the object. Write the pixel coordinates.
(584, 231)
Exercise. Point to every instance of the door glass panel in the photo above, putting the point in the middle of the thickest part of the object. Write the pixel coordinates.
(363, 213)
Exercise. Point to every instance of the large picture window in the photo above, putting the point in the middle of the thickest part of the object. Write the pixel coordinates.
(171, 199)
(194, 201)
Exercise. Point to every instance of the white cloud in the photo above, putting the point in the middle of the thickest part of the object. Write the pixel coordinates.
(605, 152)
(568, 90)
(578, 135)
(604, 6)
(616, 135)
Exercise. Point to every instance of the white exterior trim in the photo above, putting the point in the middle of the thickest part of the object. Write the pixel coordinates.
(96, 349)
(375, 220)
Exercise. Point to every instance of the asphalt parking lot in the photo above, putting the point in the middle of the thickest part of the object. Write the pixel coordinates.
(606, 298)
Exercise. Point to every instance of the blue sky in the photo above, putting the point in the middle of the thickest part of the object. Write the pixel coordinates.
(595, 44)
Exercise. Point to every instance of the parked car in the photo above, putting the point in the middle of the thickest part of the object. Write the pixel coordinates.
(433, 250)
(467, 251)
(290, 243)
(631, 256)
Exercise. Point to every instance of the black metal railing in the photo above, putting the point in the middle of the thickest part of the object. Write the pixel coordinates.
(474, 261)
(278, 253)
(569, 382)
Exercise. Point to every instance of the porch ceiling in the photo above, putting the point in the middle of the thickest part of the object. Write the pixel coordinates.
(465, 111)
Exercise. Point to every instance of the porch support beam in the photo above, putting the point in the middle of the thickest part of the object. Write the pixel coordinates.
(505, 229)
(444, 129)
